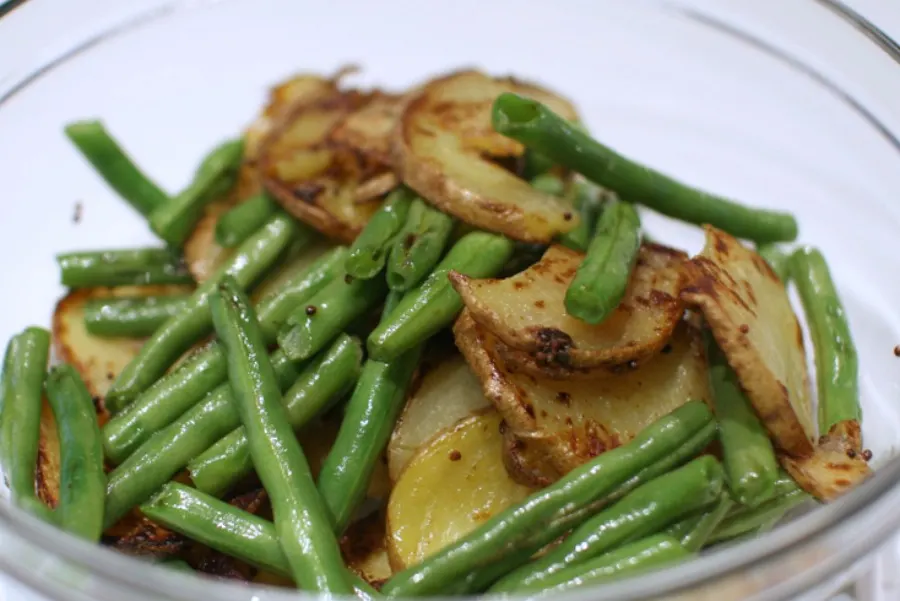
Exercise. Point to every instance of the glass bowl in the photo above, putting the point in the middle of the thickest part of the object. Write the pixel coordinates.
(788, 106)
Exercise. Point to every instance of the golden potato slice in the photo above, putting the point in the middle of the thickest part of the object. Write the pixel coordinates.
(323, 178)
(452, 485)
(569, 422)
(365, 549)
(527, 311)
(447, 393)
(835, 466)
(442, 146)
(202, 254)
(751, 317)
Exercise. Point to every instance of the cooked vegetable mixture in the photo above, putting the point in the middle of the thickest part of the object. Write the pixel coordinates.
(416, 343)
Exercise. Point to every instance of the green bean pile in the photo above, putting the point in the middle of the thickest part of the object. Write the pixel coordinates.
(222, 384)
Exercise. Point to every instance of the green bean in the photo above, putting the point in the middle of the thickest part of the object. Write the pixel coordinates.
(369, 419)
(370, 249)
(638, 556)
(536, 164)
(433, 304)
(227, 529)
(778, 259)
(24, 371)
(127, 267)
(301, 519)
(131, 317)
(328, 313)
(237, 223)
(748, 520)
(837, 364)
(459, 567)
(644, 511)
(694, 532)
(161, 457)
(749, 457)
(178, 391)
(325, 381)
(177, 335)
(588, 200)
(82, 479)
(175, 220)
(603, 276)
(538, 128)
(549, 184)
(115, 167)
(419, 245)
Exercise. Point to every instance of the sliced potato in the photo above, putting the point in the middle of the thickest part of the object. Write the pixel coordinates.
(442, 147)
(288, 268)
(322, 178)
(751, 317)
(835, 466)
(202, 254)
(447, 393)
(528, 312)
(569, 422)
(49, 461)
(365, 549)
(452, 485)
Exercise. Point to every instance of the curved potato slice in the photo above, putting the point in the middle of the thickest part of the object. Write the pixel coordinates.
(325, 162)
(441, 145)
(447, 393)
(453, 485)
(570, 422)
(528, 312)
(751, 317)
(365, 549)
(835, 466)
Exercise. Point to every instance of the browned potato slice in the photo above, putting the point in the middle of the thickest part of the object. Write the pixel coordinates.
(323, 178)
(365, 549)
(442, 147)
(835, 466)
(753, 322)
(452, 485)
(569, 422)
(528, 312)
(48, 460)
(447, 393)
(202, 253)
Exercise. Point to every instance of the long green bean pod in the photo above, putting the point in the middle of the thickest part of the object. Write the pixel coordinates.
(327, 314)
(603, 276)
(638, 556)
(418, 247)
(540, 129)
(174, 220)
(433, 304)
(460, 567)
(837, 364)
(227, 529)
(694, 532)
(82, 479)
(778, 259)
(301, 519)
(134, 317)
(157, 460)
(748, 455)
(237, 223)
(24, 371)
(746, 520)
(181, 389)
(326, 380)
(126, 267)
(115, 167)
(588, 200)
(174, 337)
(644, 511)
(371, 248)
(369, 419)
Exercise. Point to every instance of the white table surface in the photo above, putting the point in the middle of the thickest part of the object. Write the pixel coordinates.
(53, 19)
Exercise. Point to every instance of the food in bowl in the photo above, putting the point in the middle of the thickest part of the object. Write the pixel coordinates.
(416, 342)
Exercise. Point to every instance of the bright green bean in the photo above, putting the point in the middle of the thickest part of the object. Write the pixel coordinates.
(778, 259)
(588, 199)
(747, 520)
(237, 223)
(131, 317)
(694, 532)
(126, 267)
(371, 248)
(418, 247)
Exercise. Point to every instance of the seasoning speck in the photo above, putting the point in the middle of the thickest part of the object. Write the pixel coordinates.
(851, 453)
(867, 455)
(897, 351)
(79, 210)
(744, 328)
(348, 279)
(310, 310)
(455, 455)
(110, 376)
(667, 349)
